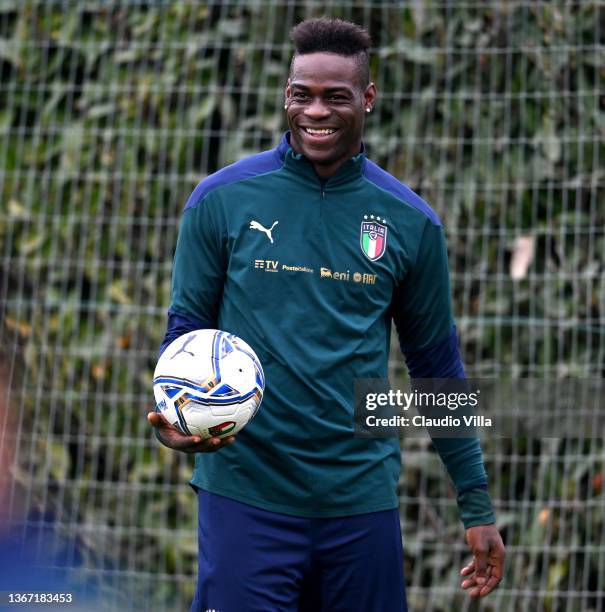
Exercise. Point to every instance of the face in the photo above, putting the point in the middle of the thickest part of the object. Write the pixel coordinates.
(326, 106)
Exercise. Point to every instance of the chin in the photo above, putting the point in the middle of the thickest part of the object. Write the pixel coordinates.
(319, 156)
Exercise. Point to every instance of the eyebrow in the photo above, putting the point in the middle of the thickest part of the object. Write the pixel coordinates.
(327, 89)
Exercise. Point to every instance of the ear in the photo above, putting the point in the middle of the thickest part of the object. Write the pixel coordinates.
(287, 90)
(369, 96)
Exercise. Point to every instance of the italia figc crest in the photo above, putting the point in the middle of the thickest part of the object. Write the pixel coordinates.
(373, 237)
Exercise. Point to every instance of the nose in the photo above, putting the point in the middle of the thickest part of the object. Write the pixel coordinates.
(317, 109)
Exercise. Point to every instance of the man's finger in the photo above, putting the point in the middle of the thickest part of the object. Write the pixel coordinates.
(471, 581)
(497, 560)
(173, 438)
(210, 445)
(495, 572)
(489, 586)
(158, 420)
(170, 436)
(480, 565)
(161, 423)
(468, 569)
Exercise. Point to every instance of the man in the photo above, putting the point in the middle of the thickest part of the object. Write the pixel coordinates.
(307, 252)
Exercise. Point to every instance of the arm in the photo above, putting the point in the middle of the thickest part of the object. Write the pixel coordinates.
(198, 276)
(462, 457)
(423, 318)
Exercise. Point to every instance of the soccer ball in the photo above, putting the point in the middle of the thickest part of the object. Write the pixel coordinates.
(208, 383)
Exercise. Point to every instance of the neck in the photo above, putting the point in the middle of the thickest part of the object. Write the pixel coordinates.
(324, 171)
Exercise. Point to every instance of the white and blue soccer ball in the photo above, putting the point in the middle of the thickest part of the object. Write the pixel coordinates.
(208, 383)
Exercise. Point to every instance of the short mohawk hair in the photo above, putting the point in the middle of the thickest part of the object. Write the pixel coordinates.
(326, 35)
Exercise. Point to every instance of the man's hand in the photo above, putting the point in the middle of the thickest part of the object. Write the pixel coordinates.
(486, 569)
(172, 438)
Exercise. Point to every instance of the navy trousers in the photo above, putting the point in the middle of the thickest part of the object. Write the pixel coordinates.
(253, 560)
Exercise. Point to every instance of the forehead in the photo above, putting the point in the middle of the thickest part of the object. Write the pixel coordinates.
(325, 70)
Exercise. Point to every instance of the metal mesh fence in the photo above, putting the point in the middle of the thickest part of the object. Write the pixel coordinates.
(110, 113)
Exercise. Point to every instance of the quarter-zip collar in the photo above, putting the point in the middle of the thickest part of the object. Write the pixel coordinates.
(299, 164)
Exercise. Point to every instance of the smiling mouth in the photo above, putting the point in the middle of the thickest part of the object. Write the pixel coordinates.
(319, 132)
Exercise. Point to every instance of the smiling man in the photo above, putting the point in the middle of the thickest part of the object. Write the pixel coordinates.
(326, 96)
(308, 252)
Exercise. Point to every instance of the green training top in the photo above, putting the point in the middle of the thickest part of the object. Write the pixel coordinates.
(310, 273)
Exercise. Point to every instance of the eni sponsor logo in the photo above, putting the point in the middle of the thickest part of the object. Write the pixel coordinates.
(357, 277)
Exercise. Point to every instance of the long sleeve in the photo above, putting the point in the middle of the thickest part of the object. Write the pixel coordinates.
(198, 274)
(423, 318)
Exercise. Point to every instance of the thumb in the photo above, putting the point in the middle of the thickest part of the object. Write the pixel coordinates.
(155, 419)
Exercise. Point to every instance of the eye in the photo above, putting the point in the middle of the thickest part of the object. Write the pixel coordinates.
(299, 95)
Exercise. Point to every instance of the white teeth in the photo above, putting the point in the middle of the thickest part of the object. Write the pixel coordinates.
(311, 131)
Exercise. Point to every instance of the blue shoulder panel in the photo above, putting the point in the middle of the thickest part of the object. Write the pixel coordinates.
(261, 163)
(375, 174)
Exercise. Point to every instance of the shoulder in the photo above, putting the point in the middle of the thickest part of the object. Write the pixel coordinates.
(387, 182)
(249, 167)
